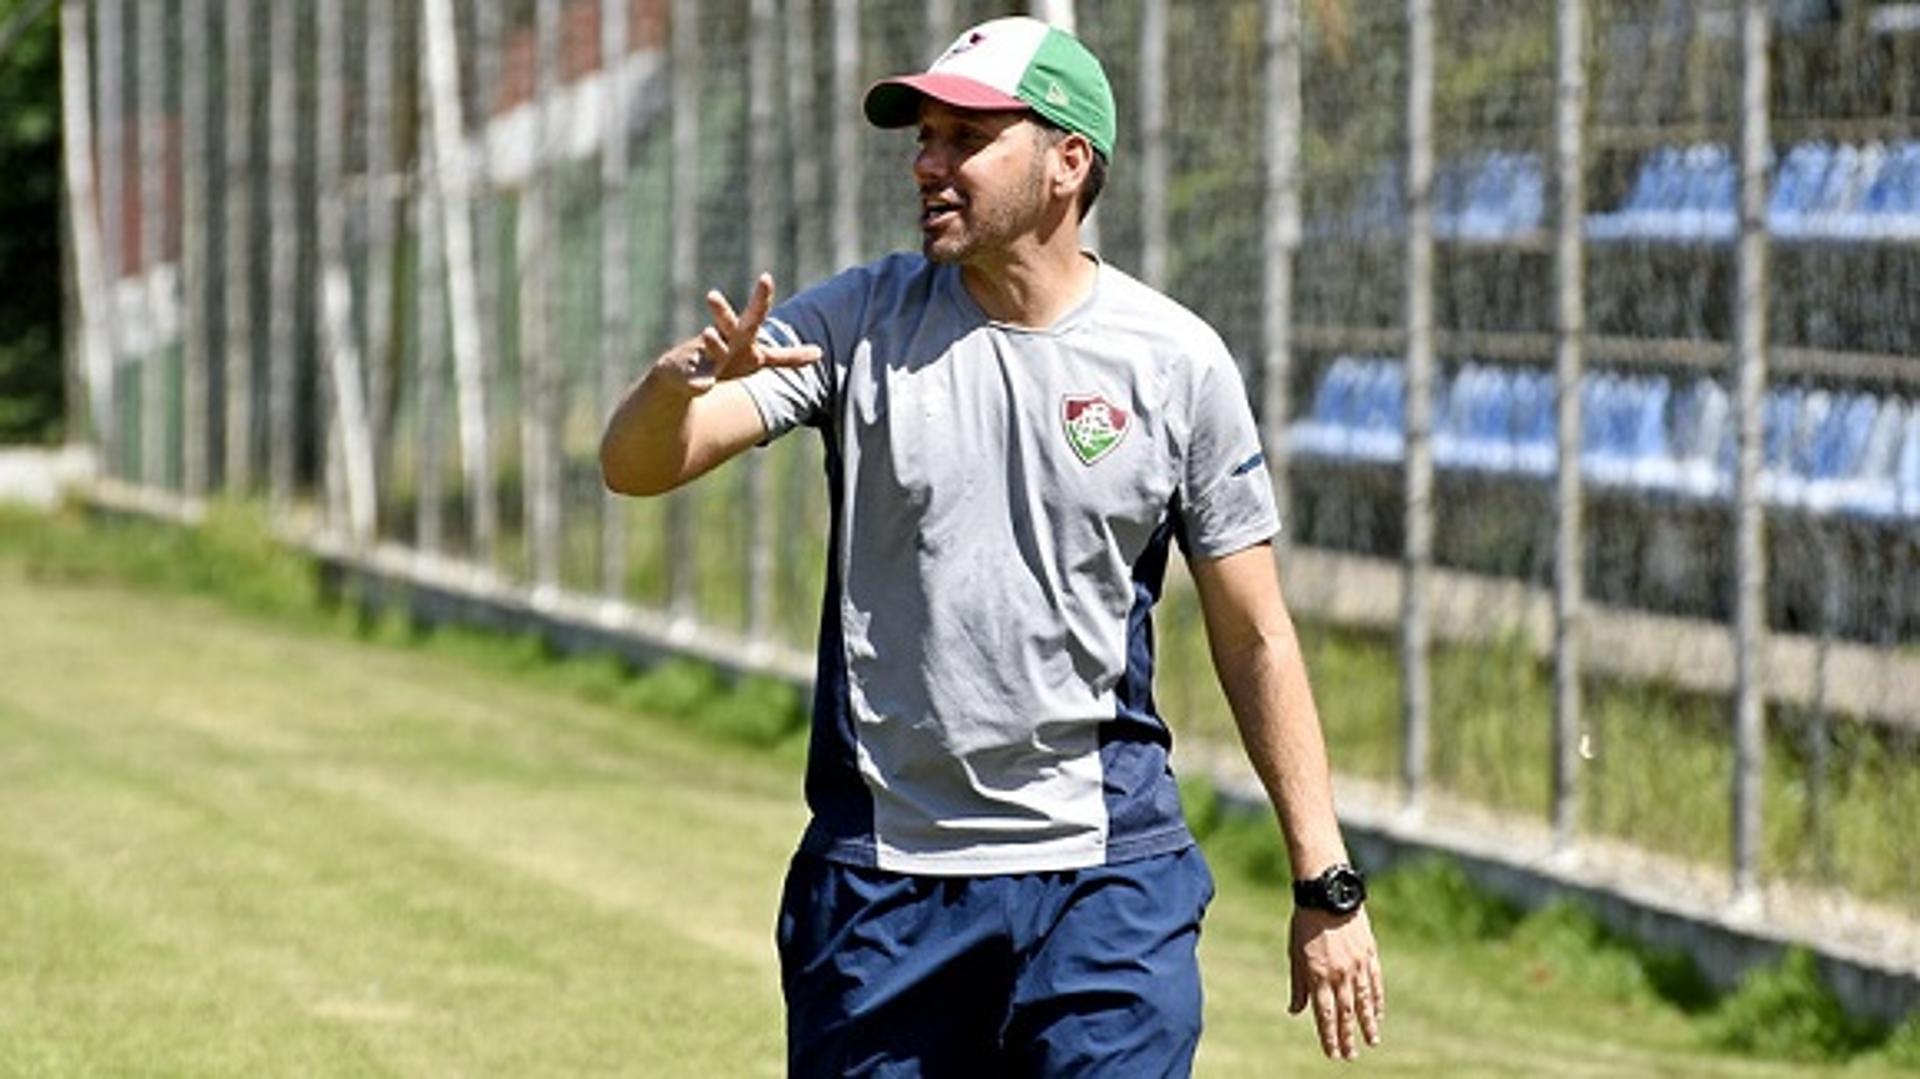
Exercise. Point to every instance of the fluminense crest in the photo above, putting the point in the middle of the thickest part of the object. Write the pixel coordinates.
(1093, 424)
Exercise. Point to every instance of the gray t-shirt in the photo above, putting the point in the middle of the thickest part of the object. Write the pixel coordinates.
(1002, 501)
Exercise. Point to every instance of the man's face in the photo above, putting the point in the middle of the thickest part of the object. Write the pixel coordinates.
(981, 177)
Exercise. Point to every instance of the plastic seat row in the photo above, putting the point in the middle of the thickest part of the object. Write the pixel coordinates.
(1829, 452)
(1820, 191)
(1489, 196)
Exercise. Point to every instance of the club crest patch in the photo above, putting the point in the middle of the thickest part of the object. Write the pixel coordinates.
(1094, 425)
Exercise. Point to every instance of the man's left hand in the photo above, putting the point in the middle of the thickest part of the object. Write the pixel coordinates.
(1336, 969)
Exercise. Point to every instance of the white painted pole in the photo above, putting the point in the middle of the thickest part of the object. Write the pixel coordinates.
(379, 205)
(350, 443)
(430, 396)
(1280, 221)
(76, 130)
(1417, 558)
(1570, 328)
(809, 261)
(284, 243)
(539, 377)
(150, 64)
(1153, 142)
(450, 180)
(1750, 568)
(114, 448)
(845, 110)
(616, 247)
(940, 31)
(684, 243)
(195, 449)
(763, 247)
(237, 205)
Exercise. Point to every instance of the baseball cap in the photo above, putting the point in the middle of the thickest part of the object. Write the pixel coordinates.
(1011, 63)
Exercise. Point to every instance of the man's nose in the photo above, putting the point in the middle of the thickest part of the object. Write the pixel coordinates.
(929, 164)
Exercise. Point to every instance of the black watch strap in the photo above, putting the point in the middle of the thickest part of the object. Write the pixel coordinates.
(1339, 889)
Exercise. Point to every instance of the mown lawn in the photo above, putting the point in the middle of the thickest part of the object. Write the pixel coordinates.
(232, 843)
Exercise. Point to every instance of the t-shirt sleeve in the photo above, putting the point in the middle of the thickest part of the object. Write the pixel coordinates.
(825, 315)
(1226, 498)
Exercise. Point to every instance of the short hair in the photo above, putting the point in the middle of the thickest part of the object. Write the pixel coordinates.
(1096, 172)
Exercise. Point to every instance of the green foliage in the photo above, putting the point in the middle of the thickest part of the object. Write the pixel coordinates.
(233, 556)
(1788, 1011)
(1430, 899)
(1902, 1047)
(30, 373)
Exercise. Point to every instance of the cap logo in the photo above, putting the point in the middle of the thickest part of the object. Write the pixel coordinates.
(963, 45)
(1094, 425)
(1057, 96)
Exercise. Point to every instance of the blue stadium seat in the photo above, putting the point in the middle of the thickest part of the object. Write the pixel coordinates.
(1536, 423)
(1820, 191)
(1701, 439)
(1907, 472)
(1829, 452)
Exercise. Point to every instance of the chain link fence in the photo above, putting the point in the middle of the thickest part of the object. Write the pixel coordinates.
(1585, 338)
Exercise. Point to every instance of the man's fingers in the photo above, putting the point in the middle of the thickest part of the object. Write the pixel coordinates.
(1367, 1003)
(1344, 1006)
(1378, 979)
(758, 304)
(1326, 1019)
(723, 317)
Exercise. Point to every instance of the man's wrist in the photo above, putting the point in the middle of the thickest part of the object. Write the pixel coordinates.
(1338, 889)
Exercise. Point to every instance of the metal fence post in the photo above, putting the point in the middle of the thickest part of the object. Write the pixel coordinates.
(939, 27)
(616, 245)
(150, 89)
(378, 204)
(111, 62)
(539, 389)
(449, 174)
(195, 449)
(762, 249)
(1280, 221)
(347, 439)
(236, 84)
(1569, 262)
(1153, 142)
(1416, 691)
(1750, 307)
(284, 245)
(800, 18)
(431, 298)
(684, 255)
(483, 224)
(95, 361)
(846, 133)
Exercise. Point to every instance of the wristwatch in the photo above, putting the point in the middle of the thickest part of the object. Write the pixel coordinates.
(1340, 889)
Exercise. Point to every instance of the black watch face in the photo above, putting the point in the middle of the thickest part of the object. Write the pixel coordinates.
(1345, 891)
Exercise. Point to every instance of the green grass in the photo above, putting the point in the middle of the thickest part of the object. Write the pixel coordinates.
(257, 837)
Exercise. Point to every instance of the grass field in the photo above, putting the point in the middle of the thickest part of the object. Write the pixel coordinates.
(243, 838)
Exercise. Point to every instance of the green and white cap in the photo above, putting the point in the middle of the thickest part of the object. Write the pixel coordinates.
(1011, 63)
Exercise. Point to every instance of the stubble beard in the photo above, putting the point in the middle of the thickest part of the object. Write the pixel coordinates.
(989, 225)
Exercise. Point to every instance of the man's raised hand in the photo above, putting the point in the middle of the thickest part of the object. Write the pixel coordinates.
(731, 348)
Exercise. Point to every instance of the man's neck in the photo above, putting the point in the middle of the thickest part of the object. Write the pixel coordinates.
(1032, 286)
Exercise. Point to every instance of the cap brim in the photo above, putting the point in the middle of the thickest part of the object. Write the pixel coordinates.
(896, 102)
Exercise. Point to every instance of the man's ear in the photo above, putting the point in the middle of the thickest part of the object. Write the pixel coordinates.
(1076, 159)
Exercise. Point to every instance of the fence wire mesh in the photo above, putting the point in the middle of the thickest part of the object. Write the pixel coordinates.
(386, 263)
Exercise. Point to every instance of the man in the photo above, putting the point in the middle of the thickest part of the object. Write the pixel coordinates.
(997, 878)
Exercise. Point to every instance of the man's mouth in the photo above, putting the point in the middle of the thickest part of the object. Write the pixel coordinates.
(937, 212)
